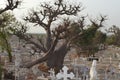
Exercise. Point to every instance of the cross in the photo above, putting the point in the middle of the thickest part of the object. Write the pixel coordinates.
(52, 73)
(64, 74)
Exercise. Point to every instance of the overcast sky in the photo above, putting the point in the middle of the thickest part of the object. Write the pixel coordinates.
(93, 8)
(111, 8)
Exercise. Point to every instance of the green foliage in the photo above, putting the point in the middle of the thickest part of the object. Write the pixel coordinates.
(100, 37)
(89, 39)
(6, 22)
(73, 30)
(114, 39)
(111, 40)
(86, 38)
(4, 44)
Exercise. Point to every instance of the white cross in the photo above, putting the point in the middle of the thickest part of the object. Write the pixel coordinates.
(64, 74)
(52, 74)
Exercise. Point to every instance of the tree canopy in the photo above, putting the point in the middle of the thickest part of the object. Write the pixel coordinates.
(90, 37)
(115, 37)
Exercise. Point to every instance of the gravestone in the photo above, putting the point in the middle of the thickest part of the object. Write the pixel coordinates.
(52, 74)
(64, 74)
(119, 66)
(17, 60)
(93, 72)
(111, 72)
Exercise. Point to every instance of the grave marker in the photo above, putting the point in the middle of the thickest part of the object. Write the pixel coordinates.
(64, 74)
(52, 74)
(93, 72)
(119, 66)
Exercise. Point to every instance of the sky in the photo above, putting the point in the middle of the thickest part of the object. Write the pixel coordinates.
(92, 8)
(111, 8)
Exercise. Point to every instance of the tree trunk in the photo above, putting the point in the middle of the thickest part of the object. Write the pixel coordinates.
(43, 59)
(54, 59)
(1, 70)
(57, 58)
(48, 39)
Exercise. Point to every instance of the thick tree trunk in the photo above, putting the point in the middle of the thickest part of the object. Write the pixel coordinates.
(57, 58)
(40, 60)
(54, 59)
(48, 39)
(45, 58)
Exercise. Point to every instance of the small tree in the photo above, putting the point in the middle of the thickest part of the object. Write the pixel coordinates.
(4, 21)
(8, 19)
(91, 37)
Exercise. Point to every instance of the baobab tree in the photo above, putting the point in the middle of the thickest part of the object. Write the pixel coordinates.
(44, 18)
(58, 40)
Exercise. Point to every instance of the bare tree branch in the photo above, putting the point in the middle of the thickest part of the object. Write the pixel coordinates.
(100, 24)
(41, 42)
(34, 18)
(11, 5)
(26, 38)
(48, 54)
